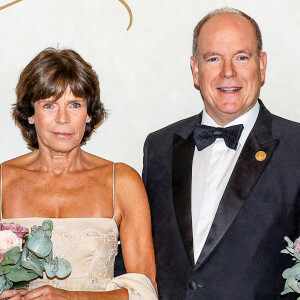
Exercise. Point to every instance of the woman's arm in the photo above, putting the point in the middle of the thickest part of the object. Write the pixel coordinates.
(50, 293)
(132, 210)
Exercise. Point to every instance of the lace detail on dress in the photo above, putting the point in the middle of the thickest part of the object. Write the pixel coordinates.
(108, 262)
(102, 261)
(59, 284)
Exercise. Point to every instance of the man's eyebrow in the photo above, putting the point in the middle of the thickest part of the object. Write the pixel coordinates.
(244, 51)
(209, 54)
(213, 53)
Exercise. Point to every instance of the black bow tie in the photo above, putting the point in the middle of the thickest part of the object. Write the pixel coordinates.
(206, 135)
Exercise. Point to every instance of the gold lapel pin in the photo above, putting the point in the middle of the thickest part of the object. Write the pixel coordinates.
(260, 155)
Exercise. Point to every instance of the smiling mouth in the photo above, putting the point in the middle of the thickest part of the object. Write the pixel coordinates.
(230, 90)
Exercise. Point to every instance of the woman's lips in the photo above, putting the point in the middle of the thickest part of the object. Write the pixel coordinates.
(62, 135)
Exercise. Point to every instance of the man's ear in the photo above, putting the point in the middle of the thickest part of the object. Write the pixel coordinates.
(195, 70)
(263, 66)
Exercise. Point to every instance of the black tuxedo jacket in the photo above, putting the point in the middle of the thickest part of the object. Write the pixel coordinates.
(241, 258)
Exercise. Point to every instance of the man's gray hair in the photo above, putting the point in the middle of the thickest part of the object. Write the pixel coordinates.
(223, 11)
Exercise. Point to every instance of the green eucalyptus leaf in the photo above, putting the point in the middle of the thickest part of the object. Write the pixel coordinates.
(5, 284)
(49, 270)
(40, 244)
(24, 254)
(297, 255)
(1, 270)
(287, 289)
(290, 243)
(18, 275)
(48, 233)
(33, 263)
(47, 225)
(32, 275)
(293, 284)
(4, 270)
(2, 283)
(13, 253)
(17, 265)
(285, 251)
(7, 261)
(49, 258)
(291, 272)
(292, 250)
(42, 261)
(64, 268)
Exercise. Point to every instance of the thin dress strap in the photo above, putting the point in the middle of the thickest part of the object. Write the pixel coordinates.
(1, 184)
(113, 189)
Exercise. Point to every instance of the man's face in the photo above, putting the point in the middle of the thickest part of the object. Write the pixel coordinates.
(229, 71)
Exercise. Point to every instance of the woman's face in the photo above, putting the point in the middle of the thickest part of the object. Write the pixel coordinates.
(60, 124)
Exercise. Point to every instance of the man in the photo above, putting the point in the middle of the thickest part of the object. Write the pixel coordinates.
(222, 199)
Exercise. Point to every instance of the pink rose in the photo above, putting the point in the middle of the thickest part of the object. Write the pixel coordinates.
(9, 240)
(297, 248)
(16, 228)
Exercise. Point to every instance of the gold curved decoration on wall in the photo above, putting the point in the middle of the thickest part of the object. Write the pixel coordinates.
(129, 11)
(122, 1)
(9, 4)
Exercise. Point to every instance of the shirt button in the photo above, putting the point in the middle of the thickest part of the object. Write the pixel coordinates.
(193, 285)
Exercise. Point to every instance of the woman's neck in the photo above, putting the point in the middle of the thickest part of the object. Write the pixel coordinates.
(58, 163)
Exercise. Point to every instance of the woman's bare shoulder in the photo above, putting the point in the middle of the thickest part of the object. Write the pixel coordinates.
(122, 170)
(95, 162)
(125, 173)
(127, 180)
(17, 169)
(20, 162)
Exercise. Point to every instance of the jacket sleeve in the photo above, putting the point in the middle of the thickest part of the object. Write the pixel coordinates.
(145, 161)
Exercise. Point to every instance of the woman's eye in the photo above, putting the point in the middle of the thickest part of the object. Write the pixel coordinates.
(75, 105)
(48, 106)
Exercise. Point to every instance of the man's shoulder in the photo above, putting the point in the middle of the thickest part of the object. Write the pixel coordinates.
(181, 127)
(285, 127)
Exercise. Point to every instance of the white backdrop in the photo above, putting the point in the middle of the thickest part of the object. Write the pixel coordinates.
(144, 73)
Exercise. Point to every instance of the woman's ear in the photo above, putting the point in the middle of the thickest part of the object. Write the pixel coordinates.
(31, 120)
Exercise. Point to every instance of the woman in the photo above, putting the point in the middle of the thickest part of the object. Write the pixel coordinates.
(89, 199)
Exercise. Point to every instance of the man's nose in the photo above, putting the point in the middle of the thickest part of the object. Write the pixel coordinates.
(228, 69)
(62, 116)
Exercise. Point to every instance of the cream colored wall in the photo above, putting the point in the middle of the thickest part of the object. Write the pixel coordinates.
(144, 73)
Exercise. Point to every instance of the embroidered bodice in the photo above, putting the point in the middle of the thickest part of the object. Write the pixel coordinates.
(89, 244)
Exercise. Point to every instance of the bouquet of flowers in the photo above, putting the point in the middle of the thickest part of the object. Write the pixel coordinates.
(25, 256)
(292, 275)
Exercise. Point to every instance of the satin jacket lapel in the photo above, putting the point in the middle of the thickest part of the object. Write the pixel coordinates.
(183, 152)
(244, 177)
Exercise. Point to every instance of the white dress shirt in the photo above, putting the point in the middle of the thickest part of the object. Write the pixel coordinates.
(212, 168)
